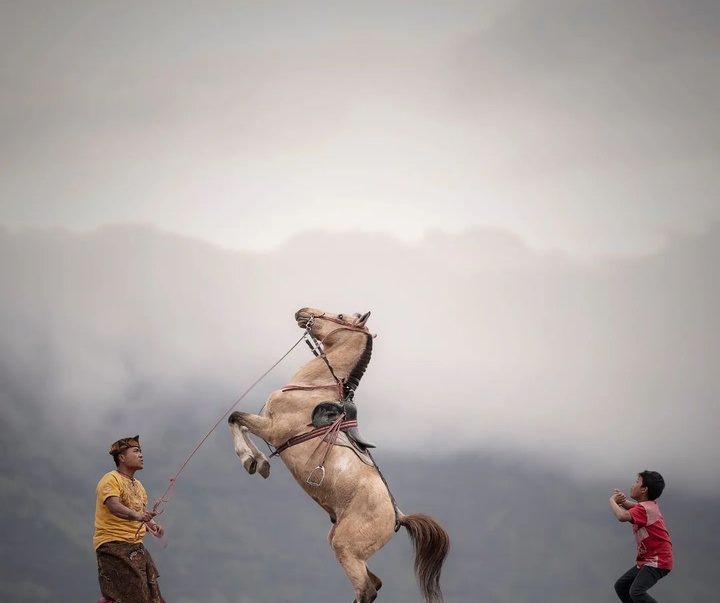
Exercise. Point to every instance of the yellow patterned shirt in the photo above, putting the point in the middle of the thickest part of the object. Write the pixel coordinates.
(108, 527)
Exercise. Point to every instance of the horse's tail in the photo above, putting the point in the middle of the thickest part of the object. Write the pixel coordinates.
(431, 543)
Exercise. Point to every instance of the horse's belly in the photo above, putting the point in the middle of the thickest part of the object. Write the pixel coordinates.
(346, 483)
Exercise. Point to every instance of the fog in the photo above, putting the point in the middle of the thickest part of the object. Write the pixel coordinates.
(482, 344)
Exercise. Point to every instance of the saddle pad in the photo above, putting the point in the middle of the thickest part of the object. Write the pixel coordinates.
(344, 440)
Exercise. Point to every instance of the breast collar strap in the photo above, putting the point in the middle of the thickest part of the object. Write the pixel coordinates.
(338, 385)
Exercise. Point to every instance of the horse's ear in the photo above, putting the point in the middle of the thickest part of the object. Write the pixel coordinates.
(363, 319)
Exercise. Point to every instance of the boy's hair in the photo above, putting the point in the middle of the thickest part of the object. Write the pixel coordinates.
(654, 483)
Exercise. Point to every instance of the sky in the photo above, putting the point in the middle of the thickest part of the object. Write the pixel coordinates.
(532, 186)
(584, 127)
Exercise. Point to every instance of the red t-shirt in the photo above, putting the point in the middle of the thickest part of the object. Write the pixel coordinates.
(653, 541)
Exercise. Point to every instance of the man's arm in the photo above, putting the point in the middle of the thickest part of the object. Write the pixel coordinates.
(120, 510)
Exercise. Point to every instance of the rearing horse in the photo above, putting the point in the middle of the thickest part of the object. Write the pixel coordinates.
(350, 489)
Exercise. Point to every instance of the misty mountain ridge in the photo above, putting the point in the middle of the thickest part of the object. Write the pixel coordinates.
(517, 351)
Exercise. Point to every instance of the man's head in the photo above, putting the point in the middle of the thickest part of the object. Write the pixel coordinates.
(128, 452)
(649, 485)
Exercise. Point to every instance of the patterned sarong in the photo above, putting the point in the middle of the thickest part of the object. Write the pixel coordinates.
(127, 573)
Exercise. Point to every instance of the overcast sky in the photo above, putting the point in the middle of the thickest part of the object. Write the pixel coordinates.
(589, 127)
(475, 136)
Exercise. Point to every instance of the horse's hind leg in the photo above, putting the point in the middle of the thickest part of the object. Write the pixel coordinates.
(377, 583)
(364, 582)
(252, 459)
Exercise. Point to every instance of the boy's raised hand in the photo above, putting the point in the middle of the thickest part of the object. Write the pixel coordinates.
(619, 497)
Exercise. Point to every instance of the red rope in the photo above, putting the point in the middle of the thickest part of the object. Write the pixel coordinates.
(159, 505)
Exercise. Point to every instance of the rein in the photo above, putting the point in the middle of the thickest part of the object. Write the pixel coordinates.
(160, 503)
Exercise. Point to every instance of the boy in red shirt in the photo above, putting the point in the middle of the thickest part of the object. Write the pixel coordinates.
(654, 549)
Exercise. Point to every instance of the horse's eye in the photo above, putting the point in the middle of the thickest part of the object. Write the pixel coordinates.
(340, 317)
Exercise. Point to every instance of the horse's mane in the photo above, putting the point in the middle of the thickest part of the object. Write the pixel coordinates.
(359, 369)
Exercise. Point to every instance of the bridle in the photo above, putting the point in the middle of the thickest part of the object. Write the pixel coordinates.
(316, 344)
(317, 348)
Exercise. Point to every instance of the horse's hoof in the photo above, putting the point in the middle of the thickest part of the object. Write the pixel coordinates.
(250, 465)
(263, 468)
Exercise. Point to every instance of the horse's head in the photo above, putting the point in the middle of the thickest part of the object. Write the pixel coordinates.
(322, 323)
(354, 355)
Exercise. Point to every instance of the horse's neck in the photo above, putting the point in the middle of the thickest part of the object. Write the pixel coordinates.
(316, 372)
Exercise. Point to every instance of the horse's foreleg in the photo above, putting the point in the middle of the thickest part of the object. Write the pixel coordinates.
(252, 459)
(243, 448)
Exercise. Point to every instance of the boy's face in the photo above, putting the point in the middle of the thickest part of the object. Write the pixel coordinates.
(637, 489)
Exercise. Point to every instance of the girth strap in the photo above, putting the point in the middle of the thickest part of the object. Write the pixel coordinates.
(315, 433)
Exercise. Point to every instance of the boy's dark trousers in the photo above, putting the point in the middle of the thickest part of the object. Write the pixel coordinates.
(632, 587)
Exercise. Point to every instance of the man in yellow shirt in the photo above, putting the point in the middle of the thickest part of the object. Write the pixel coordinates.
(126, 571)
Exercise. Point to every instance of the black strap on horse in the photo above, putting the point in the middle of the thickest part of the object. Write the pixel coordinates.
(392, 498)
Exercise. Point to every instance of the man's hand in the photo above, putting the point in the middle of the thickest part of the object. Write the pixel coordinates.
(156, 529)
(145, 515)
